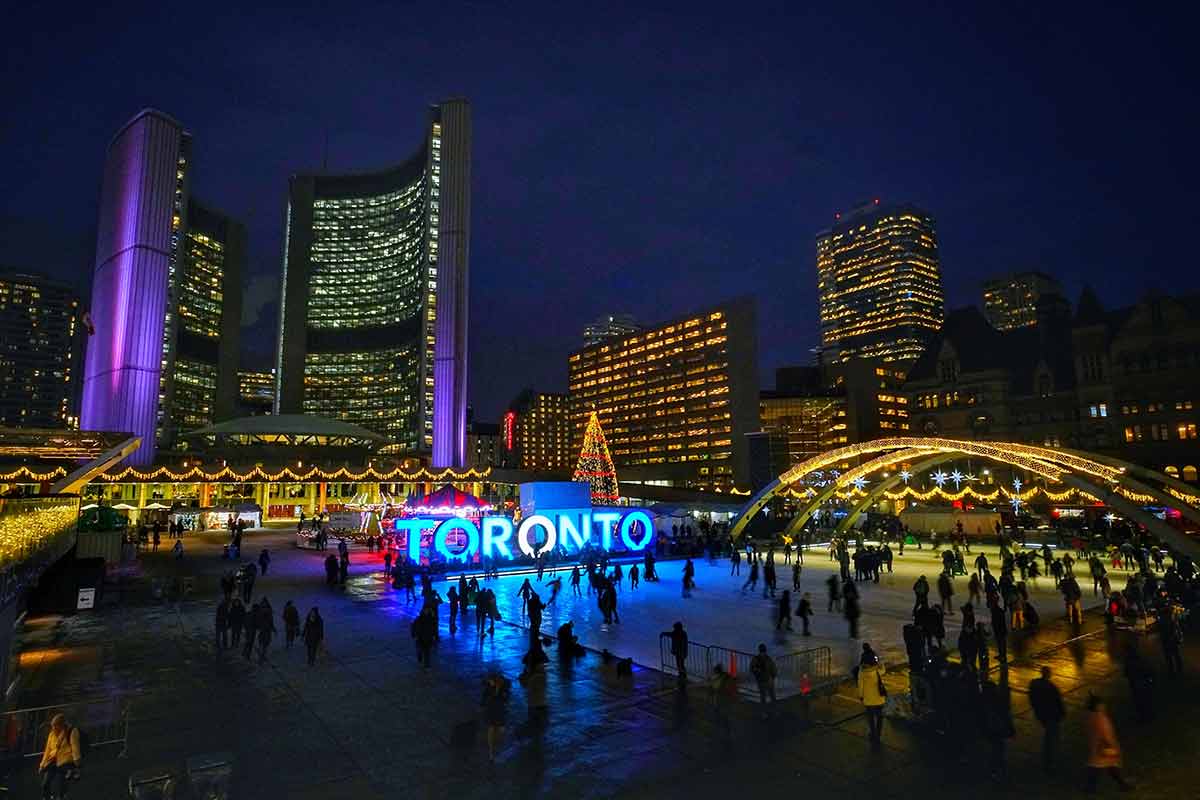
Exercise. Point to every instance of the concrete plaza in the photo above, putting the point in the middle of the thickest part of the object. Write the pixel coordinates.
(368, 722)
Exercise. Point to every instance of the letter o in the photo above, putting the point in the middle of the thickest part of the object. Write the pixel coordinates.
(457, 523)
(627, 529)
(527, 525)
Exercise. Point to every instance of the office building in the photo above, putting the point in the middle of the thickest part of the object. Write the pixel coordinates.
(166, 294)
(483, 445)
(809, 423)
(879, 283)
(537, 433)
(1011, 301)
(40, 349)
(256, 391)
(373, 322)
(610, 326)
(676, 399)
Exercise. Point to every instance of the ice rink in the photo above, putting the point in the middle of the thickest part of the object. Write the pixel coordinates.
(719, 613)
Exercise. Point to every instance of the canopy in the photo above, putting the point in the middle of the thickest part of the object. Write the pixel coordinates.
(125, 507)
(89, 505)
(446, 500)
(155, 507)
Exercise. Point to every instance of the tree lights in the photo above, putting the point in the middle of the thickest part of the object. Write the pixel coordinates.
(595, 466)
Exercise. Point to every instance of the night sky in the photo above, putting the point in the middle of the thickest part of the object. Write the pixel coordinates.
(625, 160)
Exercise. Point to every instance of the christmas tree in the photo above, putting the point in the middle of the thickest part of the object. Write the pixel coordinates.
(595, 465)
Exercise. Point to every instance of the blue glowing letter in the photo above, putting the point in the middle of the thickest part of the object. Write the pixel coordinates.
(528, 524)
(496, 533)
(413, 527)
(457, 523)
(579, 536)
(606, 520)
(627, 529)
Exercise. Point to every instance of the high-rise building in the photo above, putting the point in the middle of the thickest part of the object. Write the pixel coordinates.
(805, 421)
(610, 326)
(880, 284)
(537, 433)
(1011, 301)
(166, 294)
(373, 321)
(676, 400)
(483, 445)
(256, 390)
(40, 348)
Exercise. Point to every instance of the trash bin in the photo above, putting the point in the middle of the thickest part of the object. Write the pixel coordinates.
(152, 784)
(209, 775)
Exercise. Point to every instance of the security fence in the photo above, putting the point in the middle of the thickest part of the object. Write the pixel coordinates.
(806, 672)
(23, 731)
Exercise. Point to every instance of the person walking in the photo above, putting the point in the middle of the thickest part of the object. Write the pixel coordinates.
(524, 592)
(689, 577)
(735, 562)
(872, 692)
(796, 568)
(946, 592)
(265, 625)
(1000, 632)
(314, 634)
(1104, 751)
(237, 620)
(1047, 704)
(424, 633)
(61, 758)
(852, 614)
(250, 629)
(222, 625)
(752, 579)
(387, 563)
(635, 577)
(264, 561)
(769, 576)
(291, 624)
(835, 593)
(1170, 634)
(496, 690)
(247, 575)
(157, 537)
(763, 668)
(804, 610)
(452, 599)
(178, 549)
(679, 649)
(785, 611)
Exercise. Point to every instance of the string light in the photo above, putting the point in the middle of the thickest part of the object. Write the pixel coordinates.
(288, 474)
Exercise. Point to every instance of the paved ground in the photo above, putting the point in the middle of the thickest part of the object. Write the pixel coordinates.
(368, 722)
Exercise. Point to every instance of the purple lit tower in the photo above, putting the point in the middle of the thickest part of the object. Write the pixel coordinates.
(373, 309)
(142, 205)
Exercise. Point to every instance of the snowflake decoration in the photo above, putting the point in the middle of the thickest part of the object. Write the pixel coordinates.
(835, 473)
(811, 492)
(957, 477)
(940, 478)
(860, 483)
(969, 478)
(1016, 503)
(1110, 518)
(905, 475)
(1017, 485)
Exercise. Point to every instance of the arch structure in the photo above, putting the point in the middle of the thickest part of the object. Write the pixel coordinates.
(1124, 486)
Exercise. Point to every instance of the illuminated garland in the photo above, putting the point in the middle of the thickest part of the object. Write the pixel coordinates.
(1190, 499)
(28, 474)
(198, 475)
(28, 524)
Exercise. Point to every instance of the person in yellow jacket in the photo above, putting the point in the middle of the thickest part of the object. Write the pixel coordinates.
(61, 756)
(872, 691)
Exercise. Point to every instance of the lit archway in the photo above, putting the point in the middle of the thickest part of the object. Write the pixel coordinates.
(1101, 477)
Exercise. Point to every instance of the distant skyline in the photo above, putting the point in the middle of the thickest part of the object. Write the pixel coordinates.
(638, 161)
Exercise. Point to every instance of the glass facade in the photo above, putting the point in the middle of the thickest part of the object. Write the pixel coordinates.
(880, 284)
(368, 282)
(541, 432)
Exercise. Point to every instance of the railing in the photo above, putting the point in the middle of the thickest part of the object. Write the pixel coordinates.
(806, 672)
(23, 732)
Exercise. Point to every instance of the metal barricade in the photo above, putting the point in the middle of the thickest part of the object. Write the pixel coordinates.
(805, 673)
(100, 722)
(695, 663)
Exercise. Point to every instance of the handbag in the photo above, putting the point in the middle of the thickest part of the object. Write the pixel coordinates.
(882, 689)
